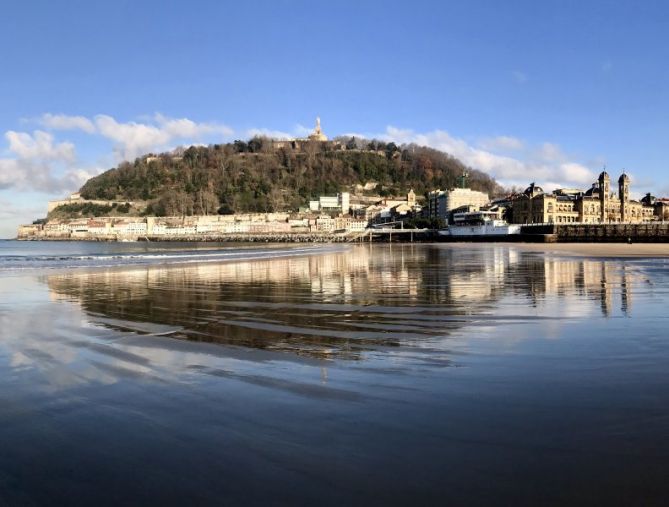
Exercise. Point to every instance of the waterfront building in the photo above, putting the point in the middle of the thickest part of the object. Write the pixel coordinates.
(596, 205)
(441, 202)
(661, 207)
(325, 223)
(56, 227)
(30, 230)
(129, 227)
(78, 226)
(98, 227)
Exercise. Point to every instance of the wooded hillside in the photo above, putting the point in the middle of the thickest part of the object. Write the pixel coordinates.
(258, 176)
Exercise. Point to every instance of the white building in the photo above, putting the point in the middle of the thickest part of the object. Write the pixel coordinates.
(441, 202)
(325, 223)
(78, 226)
(129, 227)
(340, 203)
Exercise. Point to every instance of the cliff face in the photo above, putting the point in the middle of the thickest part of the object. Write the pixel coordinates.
(265, 176)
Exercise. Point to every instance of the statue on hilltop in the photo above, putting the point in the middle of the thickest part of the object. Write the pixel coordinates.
(317, 134)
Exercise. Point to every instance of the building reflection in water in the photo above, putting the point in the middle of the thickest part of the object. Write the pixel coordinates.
(373, 297)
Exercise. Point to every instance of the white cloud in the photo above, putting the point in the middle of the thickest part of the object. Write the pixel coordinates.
(35, 175)
(302, 131)
(13, 214)
(506, 143)
(577, 173)
(183, 128)
(38, 163)
(546, 164)
(65, 122)
(550, 152)
(272, 134)
(298, 131)
(39, 145)
(133, 139)
(10, 173)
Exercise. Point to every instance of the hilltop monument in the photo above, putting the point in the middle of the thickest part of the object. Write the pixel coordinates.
(317, 134)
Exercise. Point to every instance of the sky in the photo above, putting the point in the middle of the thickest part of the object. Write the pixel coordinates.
(549, 91)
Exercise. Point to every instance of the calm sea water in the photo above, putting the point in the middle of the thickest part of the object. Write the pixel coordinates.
(18, 255)
(376, 374)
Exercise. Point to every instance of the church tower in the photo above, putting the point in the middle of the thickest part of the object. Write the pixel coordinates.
(624, 196)
(604, 192)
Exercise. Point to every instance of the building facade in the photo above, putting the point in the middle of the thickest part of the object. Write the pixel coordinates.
(597, 205)
(340, 203)
(441, 202)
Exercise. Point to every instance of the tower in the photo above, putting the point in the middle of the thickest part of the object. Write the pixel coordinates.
(604, 191)
(624, 196)
(411, 198)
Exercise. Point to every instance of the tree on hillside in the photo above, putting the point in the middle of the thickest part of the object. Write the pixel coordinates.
(206, 202)
(254, 176)
(175, 203)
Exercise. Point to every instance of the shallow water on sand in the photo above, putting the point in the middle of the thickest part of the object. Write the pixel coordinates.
(403, 374)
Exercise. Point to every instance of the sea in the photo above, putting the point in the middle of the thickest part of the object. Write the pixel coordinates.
(370, 374)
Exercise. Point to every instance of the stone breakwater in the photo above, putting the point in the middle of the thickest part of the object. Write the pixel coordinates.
(548, 233)
(257, 238)
(218, 238)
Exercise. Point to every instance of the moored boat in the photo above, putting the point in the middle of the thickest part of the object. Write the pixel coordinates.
(479, 224)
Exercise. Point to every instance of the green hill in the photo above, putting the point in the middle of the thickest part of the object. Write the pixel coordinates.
(260, 176)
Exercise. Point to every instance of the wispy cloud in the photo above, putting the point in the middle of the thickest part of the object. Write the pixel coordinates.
(272, 134)
(519, 77)
(132, 139)
(39, 145)
(36, 162)
(65, 122)
(547, 163)
(504, 143)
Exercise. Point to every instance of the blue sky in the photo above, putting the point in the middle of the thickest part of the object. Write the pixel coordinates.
(545, 91)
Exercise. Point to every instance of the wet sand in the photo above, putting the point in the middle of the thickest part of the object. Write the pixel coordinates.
(600, 250)
(376, 374)
(607, 249)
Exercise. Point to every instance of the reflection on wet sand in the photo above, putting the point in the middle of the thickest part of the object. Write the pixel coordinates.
(343, 304)
(387, 374)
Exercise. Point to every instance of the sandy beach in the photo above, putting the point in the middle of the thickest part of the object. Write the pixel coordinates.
(599, 249)
(287, 367)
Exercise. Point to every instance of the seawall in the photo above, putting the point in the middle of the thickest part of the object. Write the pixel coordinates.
(651, 232)
(219, 238)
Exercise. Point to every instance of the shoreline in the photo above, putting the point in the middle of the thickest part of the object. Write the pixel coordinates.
(278, 250)
(568, 248)
(227, 238)
(573, 249)
(600, 250)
